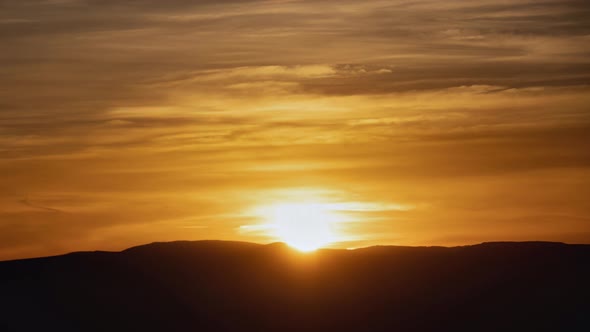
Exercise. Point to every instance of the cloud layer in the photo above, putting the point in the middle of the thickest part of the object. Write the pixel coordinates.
(128, 122)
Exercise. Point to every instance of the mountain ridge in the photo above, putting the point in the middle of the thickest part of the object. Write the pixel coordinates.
(236, 286)
(187, 243)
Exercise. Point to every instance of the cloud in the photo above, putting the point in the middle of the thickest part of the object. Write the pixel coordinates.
(444, 106)
(28, 203)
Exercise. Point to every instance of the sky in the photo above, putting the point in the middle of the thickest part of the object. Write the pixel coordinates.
(414, 122)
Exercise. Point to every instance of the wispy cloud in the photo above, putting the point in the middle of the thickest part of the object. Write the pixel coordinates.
(150, 111)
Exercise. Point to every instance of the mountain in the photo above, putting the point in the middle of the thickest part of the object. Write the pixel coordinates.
(236, 286)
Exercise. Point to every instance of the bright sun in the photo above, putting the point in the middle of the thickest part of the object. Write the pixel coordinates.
(303, 226)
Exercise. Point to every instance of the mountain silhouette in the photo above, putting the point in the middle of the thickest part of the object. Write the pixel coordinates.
(238, 286)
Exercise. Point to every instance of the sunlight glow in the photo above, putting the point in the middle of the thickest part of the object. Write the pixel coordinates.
(303, 226)
(311, 218)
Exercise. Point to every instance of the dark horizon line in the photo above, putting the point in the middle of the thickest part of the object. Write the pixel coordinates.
(277, 243)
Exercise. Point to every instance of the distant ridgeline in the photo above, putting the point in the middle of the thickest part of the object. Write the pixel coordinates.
(232, 286)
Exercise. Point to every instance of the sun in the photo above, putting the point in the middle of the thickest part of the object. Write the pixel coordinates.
(303, 226)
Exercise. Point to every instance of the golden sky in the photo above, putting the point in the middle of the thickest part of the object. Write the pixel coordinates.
(415, 122)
